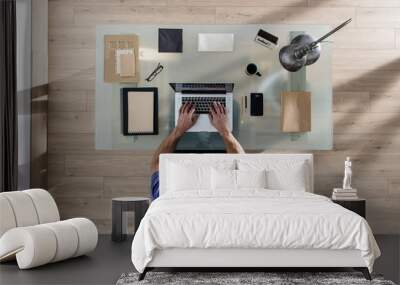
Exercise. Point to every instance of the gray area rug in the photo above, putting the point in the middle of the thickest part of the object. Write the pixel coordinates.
(236, 278)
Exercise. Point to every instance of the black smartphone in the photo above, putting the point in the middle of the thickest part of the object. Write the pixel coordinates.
(256, 104)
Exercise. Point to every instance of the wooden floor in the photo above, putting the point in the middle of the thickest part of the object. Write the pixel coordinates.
(110, 260)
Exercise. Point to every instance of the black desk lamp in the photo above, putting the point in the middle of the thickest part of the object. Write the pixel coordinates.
(303, 50)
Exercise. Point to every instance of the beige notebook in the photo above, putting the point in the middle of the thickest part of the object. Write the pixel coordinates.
(140, 112)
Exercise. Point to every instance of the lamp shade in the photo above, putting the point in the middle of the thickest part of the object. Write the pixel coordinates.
(299, 52)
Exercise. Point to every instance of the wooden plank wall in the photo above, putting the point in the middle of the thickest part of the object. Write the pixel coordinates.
(366, 78)
(39, 94)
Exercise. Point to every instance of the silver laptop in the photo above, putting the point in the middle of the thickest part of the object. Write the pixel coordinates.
(203, 95)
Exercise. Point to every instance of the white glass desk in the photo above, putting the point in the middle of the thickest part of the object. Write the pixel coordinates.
(254, 133)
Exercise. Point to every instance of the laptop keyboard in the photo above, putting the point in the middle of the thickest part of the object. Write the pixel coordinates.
(203, 104)
(204, 86)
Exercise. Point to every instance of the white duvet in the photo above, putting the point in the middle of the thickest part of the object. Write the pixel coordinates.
(252, 218)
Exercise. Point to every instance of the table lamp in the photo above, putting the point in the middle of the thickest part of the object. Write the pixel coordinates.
(304, 50)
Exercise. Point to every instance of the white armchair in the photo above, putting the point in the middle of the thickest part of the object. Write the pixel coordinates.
(31, 230)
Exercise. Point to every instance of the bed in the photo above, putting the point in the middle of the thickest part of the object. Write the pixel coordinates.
(246, 211)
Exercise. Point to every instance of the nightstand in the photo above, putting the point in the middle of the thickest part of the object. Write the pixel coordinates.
(358, 206)
(120, 205)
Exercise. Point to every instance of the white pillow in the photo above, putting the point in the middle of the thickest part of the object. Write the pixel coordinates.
(251, 178)
(223, 179)
(183, 177)
(199, 161)
(282, 174)
(237, 179)
(189, 174)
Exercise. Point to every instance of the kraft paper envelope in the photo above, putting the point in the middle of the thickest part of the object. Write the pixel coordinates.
(115, 46)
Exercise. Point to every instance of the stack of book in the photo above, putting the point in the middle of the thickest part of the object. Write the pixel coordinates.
(344, 194)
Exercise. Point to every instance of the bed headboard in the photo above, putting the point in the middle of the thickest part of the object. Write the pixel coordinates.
(212, 158)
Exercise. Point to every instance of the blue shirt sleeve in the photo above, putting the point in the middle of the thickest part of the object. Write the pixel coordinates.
(155, 185)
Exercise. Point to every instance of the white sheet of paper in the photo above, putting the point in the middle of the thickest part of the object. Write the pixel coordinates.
(218, 42)
(118, 54)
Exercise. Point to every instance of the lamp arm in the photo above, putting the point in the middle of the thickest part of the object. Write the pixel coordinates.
(332, 32)
(302, 51)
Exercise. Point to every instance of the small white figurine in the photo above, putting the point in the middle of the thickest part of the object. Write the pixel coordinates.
(347, 174)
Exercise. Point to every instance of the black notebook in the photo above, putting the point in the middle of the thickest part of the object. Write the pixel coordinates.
(170, 40)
